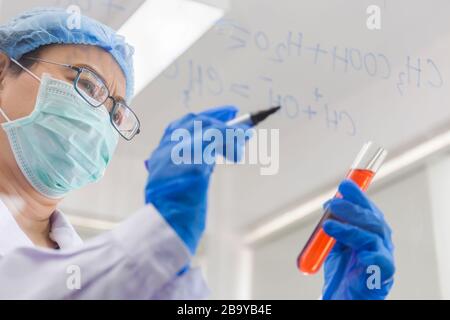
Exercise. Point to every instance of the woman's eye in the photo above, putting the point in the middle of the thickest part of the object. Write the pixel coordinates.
(118, 117)
(88, 87)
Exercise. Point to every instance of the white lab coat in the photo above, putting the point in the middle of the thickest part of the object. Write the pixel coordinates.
(140, 259)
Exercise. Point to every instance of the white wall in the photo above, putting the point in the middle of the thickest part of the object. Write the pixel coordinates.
(439, 187)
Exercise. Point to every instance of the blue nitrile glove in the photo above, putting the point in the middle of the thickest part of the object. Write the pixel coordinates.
(179, 190)
(363, 240)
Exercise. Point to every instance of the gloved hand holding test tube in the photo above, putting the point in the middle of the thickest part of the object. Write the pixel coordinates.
(319, 245)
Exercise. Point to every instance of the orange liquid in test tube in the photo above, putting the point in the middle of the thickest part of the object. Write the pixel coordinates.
(320, 244)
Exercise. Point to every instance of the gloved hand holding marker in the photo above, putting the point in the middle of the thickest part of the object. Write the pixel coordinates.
(179, 191)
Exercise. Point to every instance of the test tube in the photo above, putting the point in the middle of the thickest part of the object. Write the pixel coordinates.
(319, 245)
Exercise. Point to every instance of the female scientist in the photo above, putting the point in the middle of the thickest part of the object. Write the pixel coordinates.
(64, 105)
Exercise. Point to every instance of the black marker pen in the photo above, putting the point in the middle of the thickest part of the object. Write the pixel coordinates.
(252, 119)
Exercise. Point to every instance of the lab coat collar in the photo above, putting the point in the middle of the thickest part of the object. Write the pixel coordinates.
(62, 231)
(12, 237)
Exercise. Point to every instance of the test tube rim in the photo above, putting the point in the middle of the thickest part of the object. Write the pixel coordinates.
(375, 161)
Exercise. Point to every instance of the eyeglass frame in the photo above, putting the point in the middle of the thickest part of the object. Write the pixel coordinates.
(79, 70)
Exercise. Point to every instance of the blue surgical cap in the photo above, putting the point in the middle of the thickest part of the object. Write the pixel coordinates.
(43, 26)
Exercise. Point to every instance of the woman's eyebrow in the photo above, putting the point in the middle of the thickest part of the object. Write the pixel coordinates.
(95, 71)
(120, 99)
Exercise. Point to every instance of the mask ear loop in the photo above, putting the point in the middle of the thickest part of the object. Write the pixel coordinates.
(25, 69)
(4, 115)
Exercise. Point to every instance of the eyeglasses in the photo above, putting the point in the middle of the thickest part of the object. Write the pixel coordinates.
(94, 91)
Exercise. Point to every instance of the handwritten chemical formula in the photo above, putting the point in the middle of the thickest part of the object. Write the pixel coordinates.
(202, 79)
(205, 80)
(419, 72)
